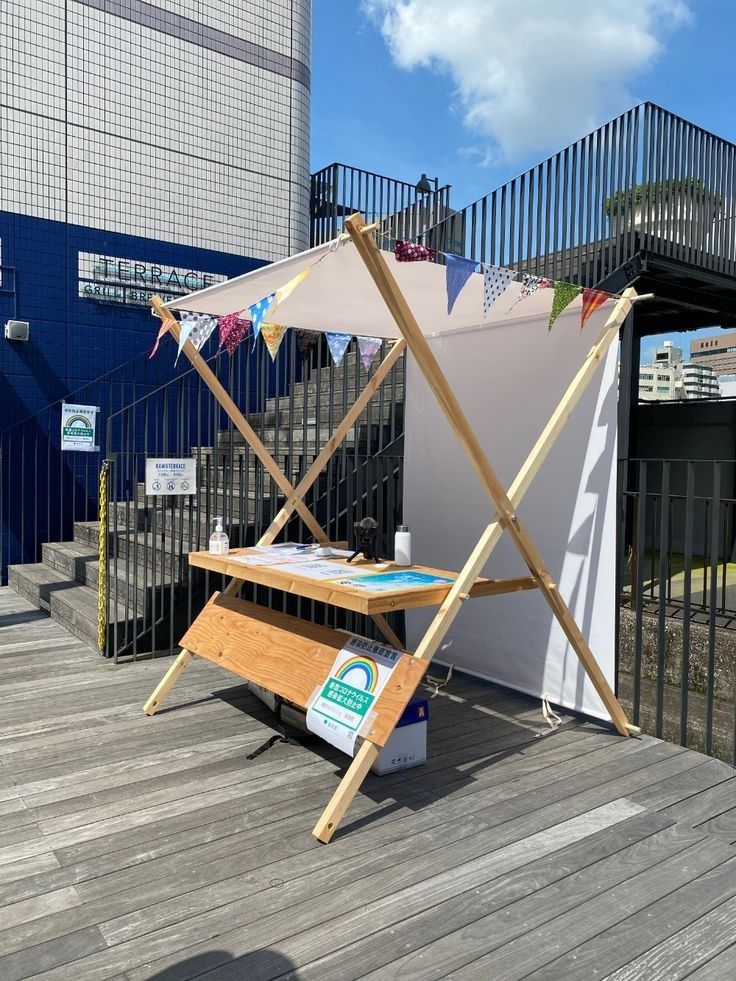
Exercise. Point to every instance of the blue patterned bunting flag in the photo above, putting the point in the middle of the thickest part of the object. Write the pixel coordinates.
(258, 312)
(338, 344)
(458, 272)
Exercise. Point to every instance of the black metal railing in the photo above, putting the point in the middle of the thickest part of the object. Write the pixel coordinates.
(294, 406)
(401, 210)
(645, 181)
(43, 490)
(677, 643)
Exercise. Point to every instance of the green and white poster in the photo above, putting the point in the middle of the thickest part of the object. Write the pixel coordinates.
(79, 427)
(343, 704)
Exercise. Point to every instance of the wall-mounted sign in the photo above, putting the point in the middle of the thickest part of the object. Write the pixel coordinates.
(78, 427)
(176, 475)
(108, 279)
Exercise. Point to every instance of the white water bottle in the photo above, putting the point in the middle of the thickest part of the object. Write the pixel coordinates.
(219, 542)
(402, 546)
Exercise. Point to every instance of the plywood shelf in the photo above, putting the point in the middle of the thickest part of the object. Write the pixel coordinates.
(290, 657)
(349, 597)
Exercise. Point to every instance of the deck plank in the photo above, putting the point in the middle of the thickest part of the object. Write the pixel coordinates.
(131, 846)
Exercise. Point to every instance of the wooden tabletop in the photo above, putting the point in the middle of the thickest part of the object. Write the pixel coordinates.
(337, 593)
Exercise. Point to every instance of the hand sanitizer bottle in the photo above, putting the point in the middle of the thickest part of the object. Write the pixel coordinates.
(402, 546)
(219, 542)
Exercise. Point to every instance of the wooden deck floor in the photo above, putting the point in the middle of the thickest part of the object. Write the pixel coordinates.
(135, 848)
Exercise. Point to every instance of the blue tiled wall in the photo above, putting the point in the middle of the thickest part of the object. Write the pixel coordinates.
(74, 340)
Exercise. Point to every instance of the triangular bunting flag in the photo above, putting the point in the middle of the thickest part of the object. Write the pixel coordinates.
(202, 330)
(592, 299)
(458, 272)
(163, 329)
(283, 291)
(195, 327)
(272, 334)
(369, 348)
(233, 329)
(495, 281)
(306, 340)
(413, 252)
(565, 293)
(530, 284)
(338, 345)
(258, 312)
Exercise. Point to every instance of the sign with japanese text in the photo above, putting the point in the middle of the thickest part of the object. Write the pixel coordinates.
(176, 475)
(79, 427)
(342, 706)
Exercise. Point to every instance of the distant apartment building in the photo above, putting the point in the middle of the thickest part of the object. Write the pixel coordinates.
(669, 378)
(719, 353)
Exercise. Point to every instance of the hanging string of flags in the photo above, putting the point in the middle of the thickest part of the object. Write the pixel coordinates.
(258, 318)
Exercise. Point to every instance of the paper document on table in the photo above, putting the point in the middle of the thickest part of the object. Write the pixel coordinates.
(258, 558)
(319, 569)
(340, 708)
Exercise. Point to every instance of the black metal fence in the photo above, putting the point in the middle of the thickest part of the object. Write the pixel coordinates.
(677, 646)
(401, 210)
(647, 180)
(43, 490)
(294, 406)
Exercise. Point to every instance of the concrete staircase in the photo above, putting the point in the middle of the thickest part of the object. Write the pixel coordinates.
(150, 540)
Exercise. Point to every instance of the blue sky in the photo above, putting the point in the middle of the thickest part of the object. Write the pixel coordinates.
(411, 95)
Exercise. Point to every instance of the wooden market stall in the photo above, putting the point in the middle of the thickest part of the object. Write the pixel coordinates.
(355, 287)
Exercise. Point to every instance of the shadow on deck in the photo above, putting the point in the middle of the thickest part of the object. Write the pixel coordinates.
(142, 848)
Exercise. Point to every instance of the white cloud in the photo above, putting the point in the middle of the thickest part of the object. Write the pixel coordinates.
(535, 74)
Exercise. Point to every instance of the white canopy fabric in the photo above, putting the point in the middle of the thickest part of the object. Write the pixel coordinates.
(339, 296)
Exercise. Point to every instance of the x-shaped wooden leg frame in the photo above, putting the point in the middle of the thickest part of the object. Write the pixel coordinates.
(506, 504)
(294, 495)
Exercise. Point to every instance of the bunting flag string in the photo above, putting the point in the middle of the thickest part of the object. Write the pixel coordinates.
(413, 252)
(458, 272)
(338, 345)
(565, 293)
(495, 281)
(233, 328)
(368, 348)
(592, 299)
(273, 335)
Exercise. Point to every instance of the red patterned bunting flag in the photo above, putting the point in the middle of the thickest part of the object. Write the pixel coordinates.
(233, 328)
(592, 299)
(413, 252)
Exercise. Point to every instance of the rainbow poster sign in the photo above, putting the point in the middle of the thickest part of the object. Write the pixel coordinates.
(341, 707)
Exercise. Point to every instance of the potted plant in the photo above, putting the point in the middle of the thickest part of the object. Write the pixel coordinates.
(678, 209)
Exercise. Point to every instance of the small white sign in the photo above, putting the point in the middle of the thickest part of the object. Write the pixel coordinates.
(79, 427)
(177, 475)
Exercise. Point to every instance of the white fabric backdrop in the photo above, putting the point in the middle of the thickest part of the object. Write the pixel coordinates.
(508, 379)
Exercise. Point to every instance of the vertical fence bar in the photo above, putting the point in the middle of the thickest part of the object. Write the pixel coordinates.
(661, 632)
(713, 599)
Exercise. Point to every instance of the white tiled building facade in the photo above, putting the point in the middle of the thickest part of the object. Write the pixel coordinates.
(186, 122)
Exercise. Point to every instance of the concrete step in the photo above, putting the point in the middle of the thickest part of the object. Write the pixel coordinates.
(129, 584)
(72, 605)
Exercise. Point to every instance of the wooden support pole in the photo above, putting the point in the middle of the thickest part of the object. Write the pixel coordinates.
(164, 686)
(348, 787)
(467, 438)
